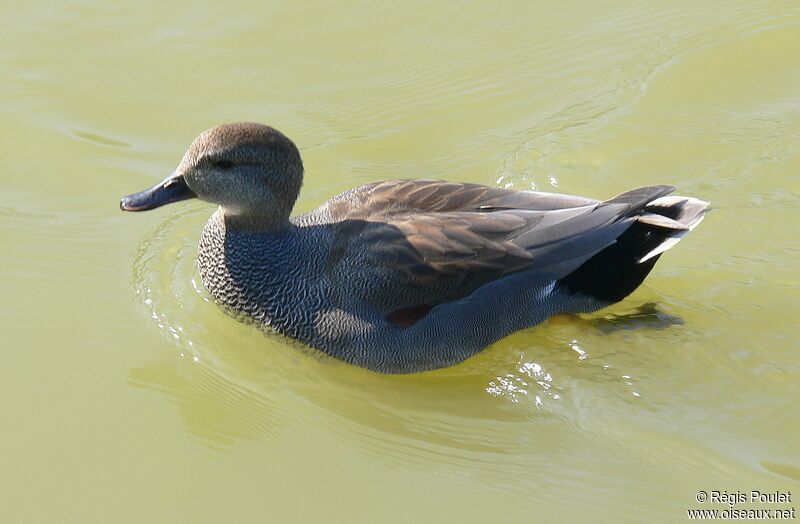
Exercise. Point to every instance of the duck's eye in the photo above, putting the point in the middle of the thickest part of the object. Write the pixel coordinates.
(222, 163)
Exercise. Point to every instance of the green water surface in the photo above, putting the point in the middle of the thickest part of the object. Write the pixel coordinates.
(127, 396)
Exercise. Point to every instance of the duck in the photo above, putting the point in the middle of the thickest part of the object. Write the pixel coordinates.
(404, 276)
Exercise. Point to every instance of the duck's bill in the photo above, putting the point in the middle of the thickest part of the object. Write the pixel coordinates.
(171, 189)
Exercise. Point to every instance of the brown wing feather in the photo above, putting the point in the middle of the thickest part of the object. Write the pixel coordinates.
(464, 241)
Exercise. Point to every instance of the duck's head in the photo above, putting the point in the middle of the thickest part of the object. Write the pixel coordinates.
(252, 171)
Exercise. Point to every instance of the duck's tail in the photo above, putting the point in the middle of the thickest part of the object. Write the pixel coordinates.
(613, 273)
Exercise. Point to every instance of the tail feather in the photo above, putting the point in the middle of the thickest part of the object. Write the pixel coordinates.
(660, 222)
(683, 213)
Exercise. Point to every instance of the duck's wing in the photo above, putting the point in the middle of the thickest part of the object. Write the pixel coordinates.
(383, 200)
(469, 228)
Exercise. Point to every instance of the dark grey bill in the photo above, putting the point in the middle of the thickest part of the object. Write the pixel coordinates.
(171, 189)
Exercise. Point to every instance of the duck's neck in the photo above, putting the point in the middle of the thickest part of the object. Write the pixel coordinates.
(255, 222)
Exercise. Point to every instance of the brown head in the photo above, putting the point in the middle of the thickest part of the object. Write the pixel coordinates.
(252, 171)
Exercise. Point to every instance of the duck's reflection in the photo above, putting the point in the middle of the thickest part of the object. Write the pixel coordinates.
(646, 316)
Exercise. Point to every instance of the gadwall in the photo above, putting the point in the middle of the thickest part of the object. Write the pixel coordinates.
(407, 275)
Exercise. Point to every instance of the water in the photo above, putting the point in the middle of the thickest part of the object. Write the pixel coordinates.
(127, 396)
